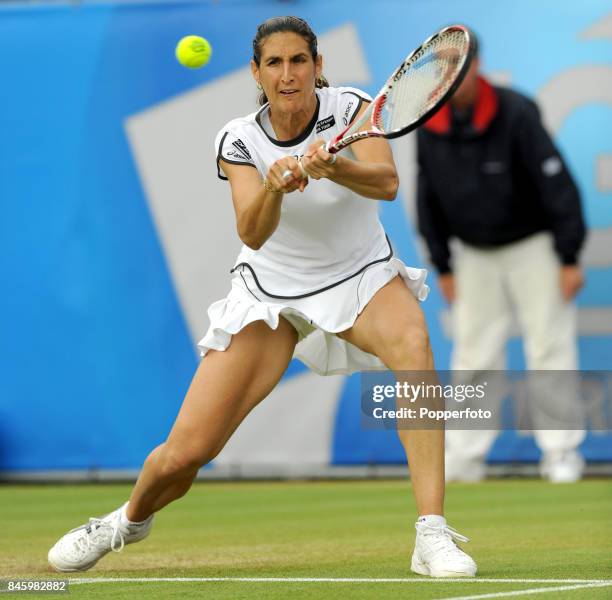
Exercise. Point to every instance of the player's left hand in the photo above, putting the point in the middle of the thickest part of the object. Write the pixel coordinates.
(317, 162)
(571, 281)
(285, 175)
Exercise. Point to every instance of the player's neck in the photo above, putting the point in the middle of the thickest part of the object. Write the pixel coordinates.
(288, 126)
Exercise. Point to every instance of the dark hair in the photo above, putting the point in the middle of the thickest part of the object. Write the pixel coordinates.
(281, 24)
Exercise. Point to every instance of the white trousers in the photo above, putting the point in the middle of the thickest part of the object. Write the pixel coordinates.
(492, 285)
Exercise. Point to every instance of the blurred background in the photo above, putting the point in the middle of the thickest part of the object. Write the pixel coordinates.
(116, 234)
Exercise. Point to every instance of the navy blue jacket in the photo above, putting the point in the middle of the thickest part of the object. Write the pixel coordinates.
(494, 177)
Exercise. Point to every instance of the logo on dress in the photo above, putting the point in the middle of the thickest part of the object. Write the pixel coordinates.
(239, 150)
(345, 118)
(325, 123)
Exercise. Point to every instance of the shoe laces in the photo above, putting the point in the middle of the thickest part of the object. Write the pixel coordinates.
(95, 533)
(443, 538)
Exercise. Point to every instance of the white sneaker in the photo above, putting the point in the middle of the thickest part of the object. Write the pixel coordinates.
(436, 554)
(81, 548)
(563, 466)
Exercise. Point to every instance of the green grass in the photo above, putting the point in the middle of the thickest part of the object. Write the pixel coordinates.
(519, 529)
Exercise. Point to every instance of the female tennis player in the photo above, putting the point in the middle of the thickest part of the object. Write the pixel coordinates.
(316, 279)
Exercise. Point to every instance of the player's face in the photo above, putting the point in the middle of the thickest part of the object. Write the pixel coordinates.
(287, 72)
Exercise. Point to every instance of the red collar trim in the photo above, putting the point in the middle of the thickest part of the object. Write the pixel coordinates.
(485, 110)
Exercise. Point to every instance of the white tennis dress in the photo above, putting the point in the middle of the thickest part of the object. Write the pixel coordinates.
(328, 256)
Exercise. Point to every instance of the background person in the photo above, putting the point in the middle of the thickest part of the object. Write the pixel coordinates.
(490, 176)
(316, 268)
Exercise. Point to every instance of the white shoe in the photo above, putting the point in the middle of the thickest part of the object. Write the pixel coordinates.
(436, 554)
(464, 470)
(563, 466)
(81, 548)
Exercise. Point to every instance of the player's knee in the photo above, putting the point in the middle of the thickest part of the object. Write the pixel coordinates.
(409, 344)
(184, 461)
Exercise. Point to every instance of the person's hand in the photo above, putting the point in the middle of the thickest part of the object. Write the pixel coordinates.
(285, 176)
(571, 280)
(317, 162)
(447, 286)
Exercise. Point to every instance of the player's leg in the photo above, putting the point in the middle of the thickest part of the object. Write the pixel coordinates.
(226, 386)
(481, 322)
(548, 326)
(392, 327)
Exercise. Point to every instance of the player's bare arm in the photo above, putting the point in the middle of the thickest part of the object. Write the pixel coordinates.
(258, 204)
(372, 175)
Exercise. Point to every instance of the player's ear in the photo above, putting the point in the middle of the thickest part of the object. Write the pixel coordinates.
(318, 66)
(255, 71)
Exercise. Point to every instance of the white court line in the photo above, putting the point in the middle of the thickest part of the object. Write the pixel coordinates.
(561, 588)
(585, 582)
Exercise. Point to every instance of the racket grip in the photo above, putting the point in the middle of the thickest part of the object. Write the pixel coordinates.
(329, 147)
(304, 174)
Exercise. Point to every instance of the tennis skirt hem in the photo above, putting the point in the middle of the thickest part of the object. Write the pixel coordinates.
(316, 318)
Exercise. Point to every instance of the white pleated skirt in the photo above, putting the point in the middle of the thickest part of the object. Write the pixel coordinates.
(316, 318)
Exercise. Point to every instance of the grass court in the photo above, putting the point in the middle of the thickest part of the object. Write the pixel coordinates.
(331, 539)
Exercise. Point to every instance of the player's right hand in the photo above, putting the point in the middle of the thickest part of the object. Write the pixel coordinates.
(317, 162)
(285, 175)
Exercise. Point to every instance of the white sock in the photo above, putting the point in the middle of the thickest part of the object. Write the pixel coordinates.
(432, 520)
(125, 522)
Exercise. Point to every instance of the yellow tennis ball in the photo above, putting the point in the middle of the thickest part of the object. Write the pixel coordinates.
(193, 51)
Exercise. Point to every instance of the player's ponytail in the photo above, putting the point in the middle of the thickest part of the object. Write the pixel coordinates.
(282, 24)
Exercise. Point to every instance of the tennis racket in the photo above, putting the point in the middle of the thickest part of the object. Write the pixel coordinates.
(416, 90)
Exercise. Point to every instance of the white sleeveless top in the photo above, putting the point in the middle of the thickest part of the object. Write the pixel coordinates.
(327, 233)
(327, 258)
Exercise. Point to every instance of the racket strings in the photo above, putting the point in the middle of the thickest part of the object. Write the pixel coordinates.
(423, 81)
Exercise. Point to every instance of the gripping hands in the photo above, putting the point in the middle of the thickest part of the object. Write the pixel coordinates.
(288, 174)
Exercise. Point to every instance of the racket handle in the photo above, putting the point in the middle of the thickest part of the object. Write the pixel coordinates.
(304, 174)
(329, 147)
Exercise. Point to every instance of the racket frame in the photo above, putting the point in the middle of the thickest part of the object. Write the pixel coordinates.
(340, 142)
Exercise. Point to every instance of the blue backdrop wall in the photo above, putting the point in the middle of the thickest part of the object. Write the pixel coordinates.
(97, 335)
